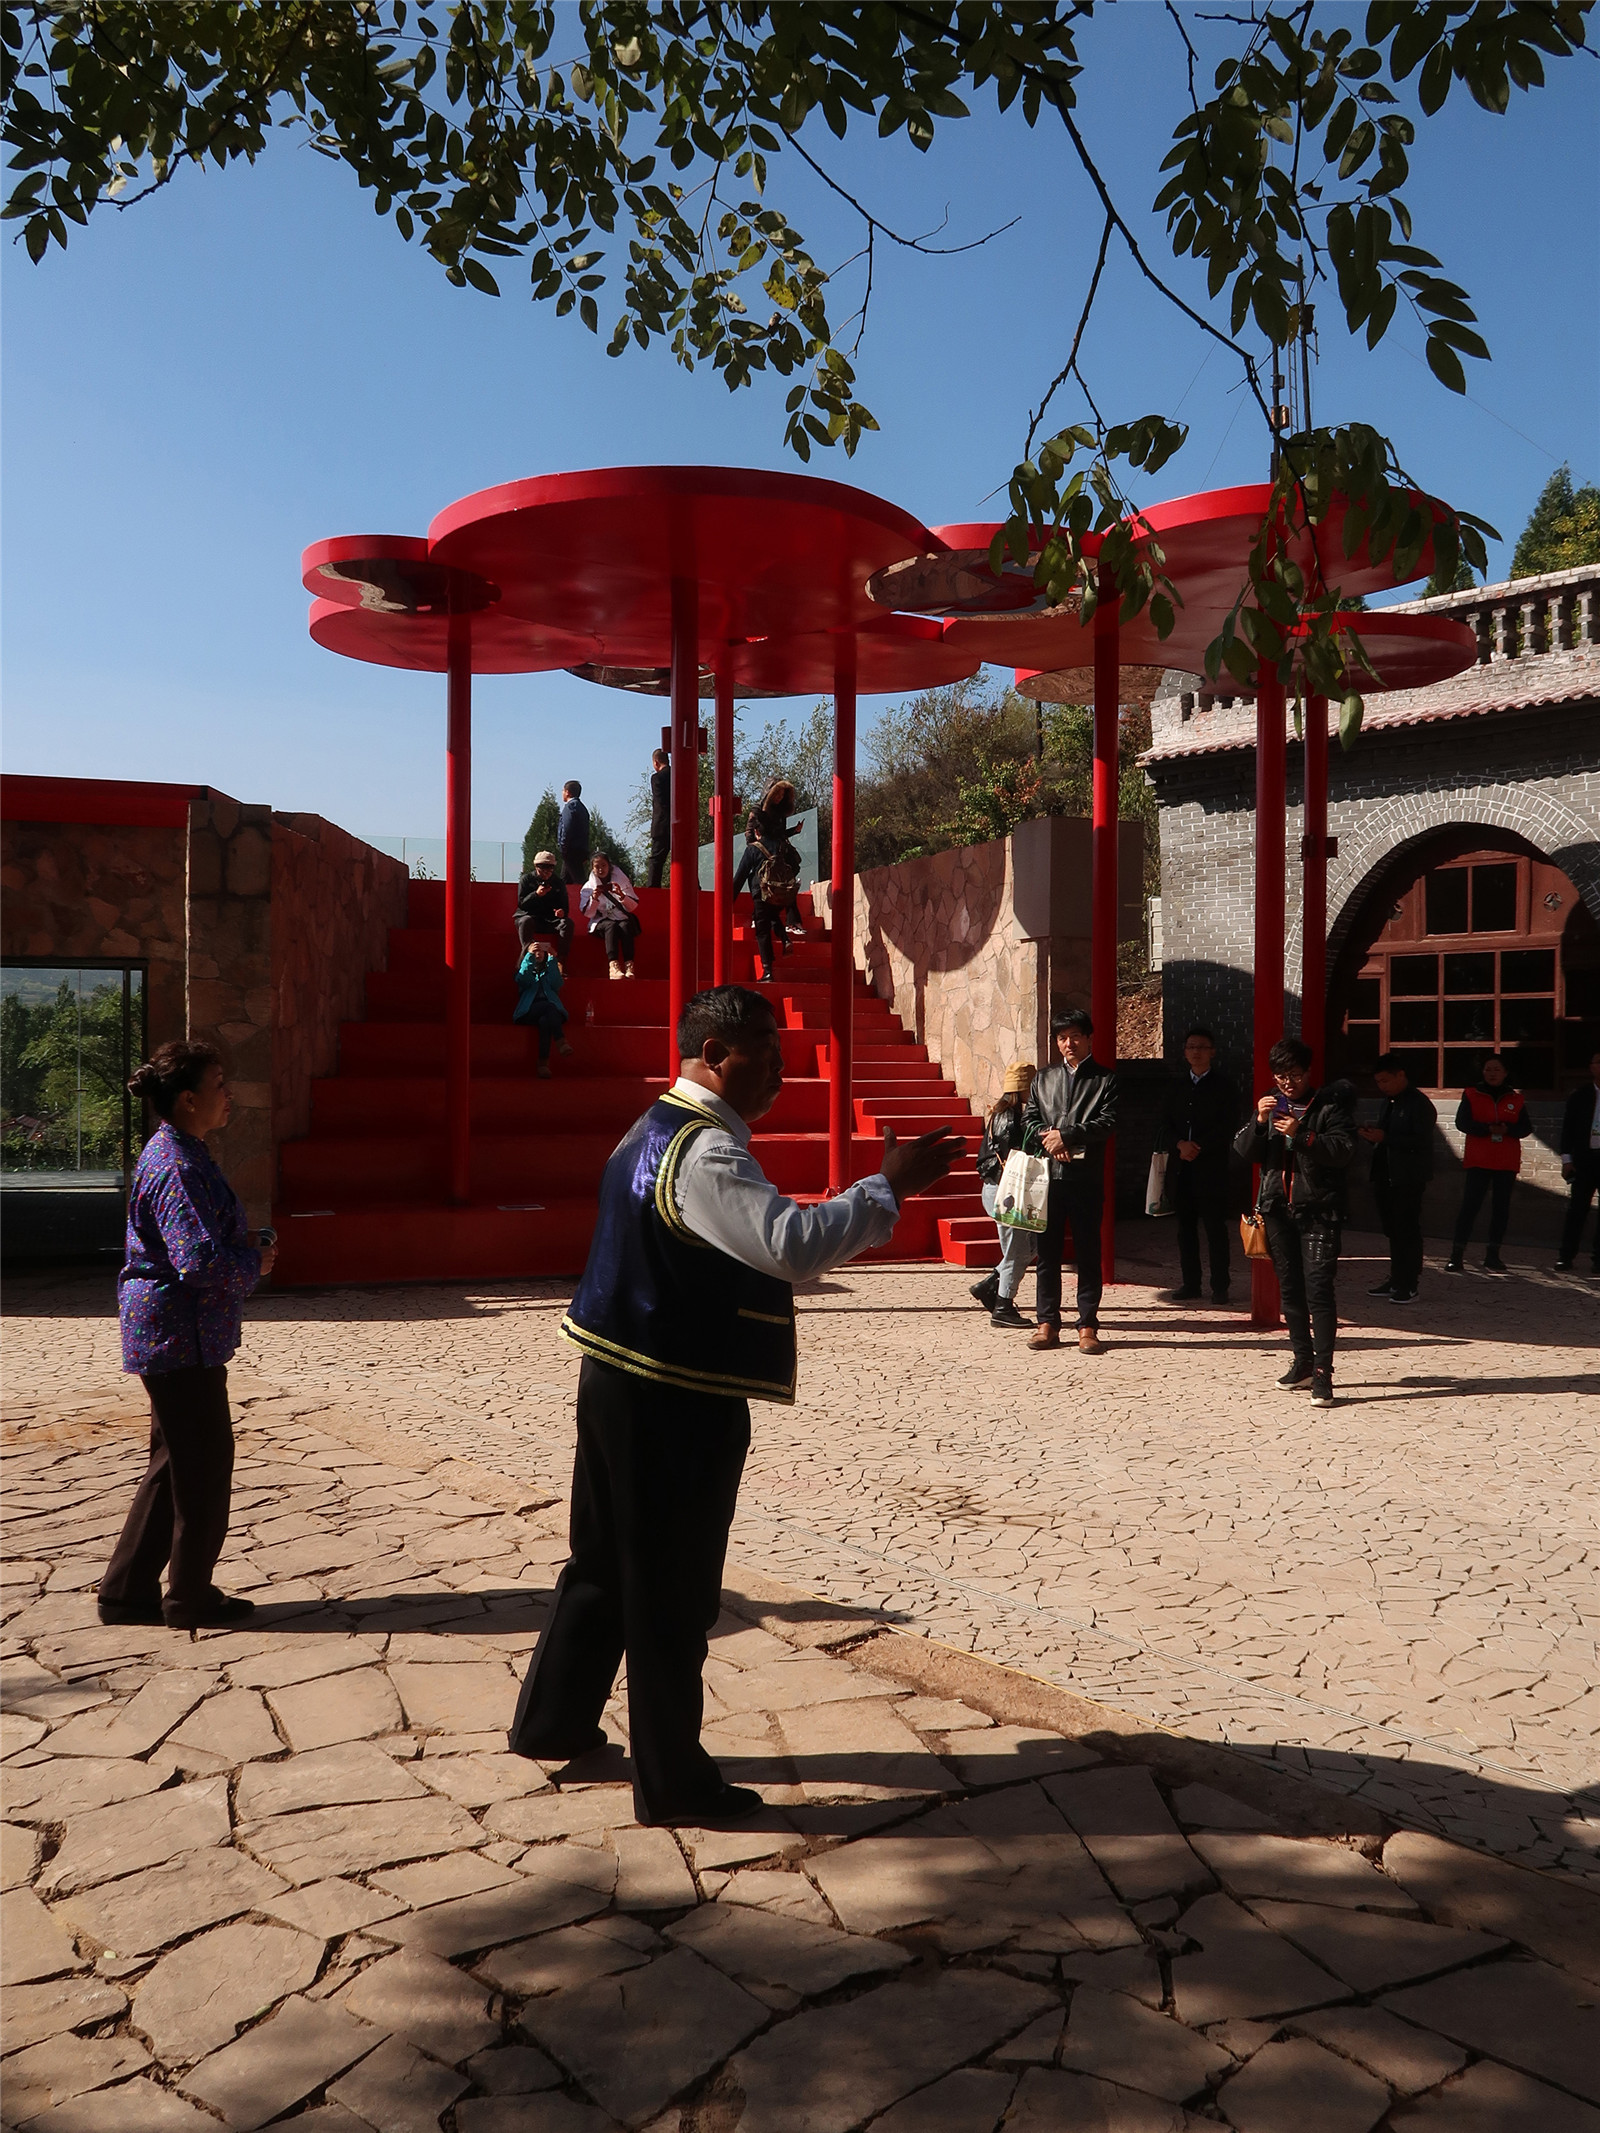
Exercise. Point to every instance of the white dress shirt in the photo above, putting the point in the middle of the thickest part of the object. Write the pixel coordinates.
(725, 1198)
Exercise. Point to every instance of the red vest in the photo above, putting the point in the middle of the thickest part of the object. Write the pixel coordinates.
(1480, 1153)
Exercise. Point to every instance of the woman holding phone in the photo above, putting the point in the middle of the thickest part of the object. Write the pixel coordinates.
(610, 903)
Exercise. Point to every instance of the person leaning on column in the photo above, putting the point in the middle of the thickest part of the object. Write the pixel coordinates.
(1070, 1114)
(191, 1261)
(685, 1314)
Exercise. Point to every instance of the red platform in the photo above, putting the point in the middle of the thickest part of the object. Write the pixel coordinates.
(363, 1196)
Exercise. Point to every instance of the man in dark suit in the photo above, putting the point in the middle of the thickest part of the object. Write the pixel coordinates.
(660, 815)
(1070, 1114)
(1580, 1163)
(1199, 1118)
(1402, 1163)
(572, 833)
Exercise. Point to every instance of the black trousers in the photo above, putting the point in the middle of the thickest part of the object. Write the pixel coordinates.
(660, 853)
(654, 1486)
(1306, 1259)
(1077, 1205)
(619, 935)
(1581, 1189)
(530, 929)
(1476, 1187)
(1400, 1210)
(549, 1025)
(574, 864)
(1201, 1201)
(179, 1516)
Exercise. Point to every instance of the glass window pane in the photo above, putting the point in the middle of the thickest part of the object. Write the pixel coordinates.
(1494, 899)
(1527, 1021)
(1469, 973)
(1532, 1066)
(1413, 1019)
(1528, 970)
(1461, 1068)
(63, 1068)
(1364, 1000)
(1423, 1067)
(1413, 974)
(1446, 900)
(1361, 1047)
(1468, 1019)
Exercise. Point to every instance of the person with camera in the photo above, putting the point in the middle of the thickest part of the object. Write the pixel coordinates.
(685, 1314)
(1304, 1139)
(191, 1261)
(609, 901)
(540, 1006)
(1070, 1115)
(542, 907)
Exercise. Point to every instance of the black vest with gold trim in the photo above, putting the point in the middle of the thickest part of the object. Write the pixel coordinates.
(661, 1303)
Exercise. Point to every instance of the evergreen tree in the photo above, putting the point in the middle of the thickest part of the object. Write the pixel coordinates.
(1563, 529)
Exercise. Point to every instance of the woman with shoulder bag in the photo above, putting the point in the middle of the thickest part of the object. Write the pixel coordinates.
(1002, 1136)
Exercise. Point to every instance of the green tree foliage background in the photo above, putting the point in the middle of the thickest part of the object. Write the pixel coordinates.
(1563, 529)
(42, 1058)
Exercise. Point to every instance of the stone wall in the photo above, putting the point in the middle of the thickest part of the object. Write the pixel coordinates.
(230, 979)
(938, 938)
(334, 900)
(94, 892)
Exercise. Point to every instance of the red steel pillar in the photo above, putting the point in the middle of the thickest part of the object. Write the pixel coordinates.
(1314, 863)
(684, 951)
(1103, 902)
(841, 1004)
(1268, 984)
(458, 910)
(722, 824)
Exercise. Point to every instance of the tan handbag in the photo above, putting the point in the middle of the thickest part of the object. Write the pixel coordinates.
(1253, 1232)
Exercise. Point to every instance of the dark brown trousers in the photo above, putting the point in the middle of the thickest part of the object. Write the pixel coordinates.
(179, 1515)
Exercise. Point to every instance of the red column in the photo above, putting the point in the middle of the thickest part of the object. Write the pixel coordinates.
(841, 1004)
(1314, 861)
(458, 911)
(1103, 904)
(722, 825)
(684, 970)
(1268, 984)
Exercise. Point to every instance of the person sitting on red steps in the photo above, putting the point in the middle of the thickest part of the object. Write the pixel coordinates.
(191, 1261)
(685, 1314)
(1495, 1122)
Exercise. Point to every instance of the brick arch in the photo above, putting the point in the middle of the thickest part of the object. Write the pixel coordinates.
(1388, 830)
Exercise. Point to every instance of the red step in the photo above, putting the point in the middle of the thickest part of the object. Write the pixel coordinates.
(968, 1240)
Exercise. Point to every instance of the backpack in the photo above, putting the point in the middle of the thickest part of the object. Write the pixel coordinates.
(779, 879)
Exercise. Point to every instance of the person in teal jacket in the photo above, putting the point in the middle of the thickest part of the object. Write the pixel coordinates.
(539, 1003)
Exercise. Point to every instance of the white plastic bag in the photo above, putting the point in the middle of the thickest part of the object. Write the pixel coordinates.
(1024, 1189)
(1157, 1199)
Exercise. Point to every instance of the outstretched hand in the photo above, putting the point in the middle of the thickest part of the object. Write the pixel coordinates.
(921, 1162)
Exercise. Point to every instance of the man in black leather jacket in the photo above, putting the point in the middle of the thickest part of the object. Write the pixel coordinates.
(1402, 1164)
(1304, 1138)
(1071, 1113)
(1199, 1118)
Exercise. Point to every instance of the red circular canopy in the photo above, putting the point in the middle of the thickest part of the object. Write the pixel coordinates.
(894, 653)
(770, 555)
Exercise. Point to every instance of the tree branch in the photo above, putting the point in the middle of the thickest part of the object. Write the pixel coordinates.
(1071, 364)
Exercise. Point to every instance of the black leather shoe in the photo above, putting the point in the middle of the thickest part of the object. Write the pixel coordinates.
(1495, 1264)
(1005, 1313)
(1454, 1266)
(217, 1612)
(1563, 1266)
(1184, 1296)
(734, 1803)
(987, 1291)
(128, 1613)
(565, 1752)
(1382, 1288)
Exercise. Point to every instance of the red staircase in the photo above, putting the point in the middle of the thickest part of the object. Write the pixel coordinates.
(362, 1196)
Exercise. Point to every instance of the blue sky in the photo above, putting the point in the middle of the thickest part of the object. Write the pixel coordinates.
(199, 387)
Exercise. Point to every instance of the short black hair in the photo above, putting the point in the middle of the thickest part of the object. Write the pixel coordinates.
(658, 755)
(170, 1069)
(1071, 1018)
(1289, 1052)
(1391, 1063)
(1200, 1030)
(727, 1012)
(572, 786)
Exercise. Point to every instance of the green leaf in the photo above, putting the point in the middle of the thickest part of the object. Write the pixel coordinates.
(1446, 364)
(1351, 712)
(480, 277)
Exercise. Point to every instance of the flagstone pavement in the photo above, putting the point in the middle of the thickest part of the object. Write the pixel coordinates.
(1117, 1728)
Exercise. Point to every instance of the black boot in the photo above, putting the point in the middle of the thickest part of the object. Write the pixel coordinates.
(987, 1291)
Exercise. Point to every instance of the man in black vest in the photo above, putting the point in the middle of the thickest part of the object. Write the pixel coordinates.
(1199, 1118)
(685, 1314)
(1070, 1114)
(660, 815)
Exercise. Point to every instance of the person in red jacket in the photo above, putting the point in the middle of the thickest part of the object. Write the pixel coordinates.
(1495, 1121)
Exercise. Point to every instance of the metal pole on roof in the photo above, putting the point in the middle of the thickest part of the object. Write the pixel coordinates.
(722, 825)
(842, 885)
(1268, 982)
(1314, 888)
(1103, 895)
(684, 949)
(458, 910)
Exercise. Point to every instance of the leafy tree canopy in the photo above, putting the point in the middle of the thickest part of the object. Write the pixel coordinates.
(1563, 529)
(636, 150)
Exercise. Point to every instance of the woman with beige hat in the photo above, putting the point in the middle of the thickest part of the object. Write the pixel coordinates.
(1002, 1133)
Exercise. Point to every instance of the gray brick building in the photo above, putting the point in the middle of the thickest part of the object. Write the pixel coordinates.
(1464, 897)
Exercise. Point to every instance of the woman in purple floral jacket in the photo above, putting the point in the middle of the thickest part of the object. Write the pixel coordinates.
(190, 1263)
